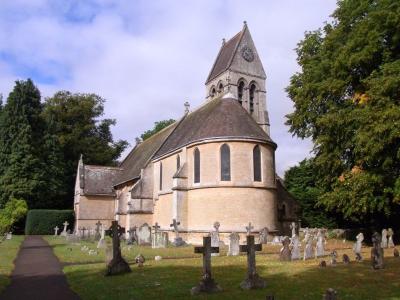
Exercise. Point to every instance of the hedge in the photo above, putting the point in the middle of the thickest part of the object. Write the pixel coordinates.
(43, 221)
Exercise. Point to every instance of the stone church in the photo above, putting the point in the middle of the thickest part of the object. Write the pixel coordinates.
(215, 164)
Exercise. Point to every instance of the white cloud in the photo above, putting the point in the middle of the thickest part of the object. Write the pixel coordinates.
(148, 57)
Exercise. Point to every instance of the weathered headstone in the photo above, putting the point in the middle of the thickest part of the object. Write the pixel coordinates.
(102, 242)
(293, 228)
(249, 228)
(118, 264)
(252, 280)
(334, 256)
(358, 245)
(64, 232)
(395, 252)
(377, 252)
(215, 237)
(390, 238)
(308, 248)
(9, 236)
(56, 229)
(263, 236)
(234, 239)
(295, 243)
(384, 238)
(330, 294)
(132, 236)
(144, 235)
(160, 239)
(320, 247)
(178, 241)
(207, 283)
(97, 234)
(285, 253)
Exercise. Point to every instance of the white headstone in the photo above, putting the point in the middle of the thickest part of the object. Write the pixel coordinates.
(384, 243)
(56, 230)
(64, 232)
(9, 236)
(308, 249)
(390, 238)
(320, 247)
(295, 243)
(144, 235)
(358, 245)
(234, 244)
(263, 237)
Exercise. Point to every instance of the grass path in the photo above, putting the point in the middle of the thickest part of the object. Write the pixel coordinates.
(173, 278)
(8, 253)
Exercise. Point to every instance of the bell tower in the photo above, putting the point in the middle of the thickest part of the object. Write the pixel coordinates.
(238, 69)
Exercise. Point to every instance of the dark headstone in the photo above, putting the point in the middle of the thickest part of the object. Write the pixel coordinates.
(207, 283)
(117, 265)
(252, 281)
(330, 294)
(377, 252)
(286, 253)
(322, 264)
(346, 259)
(97, 234)
(395, 252)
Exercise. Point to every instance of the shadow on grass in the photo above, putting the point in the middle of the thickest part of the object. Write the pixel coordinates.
(164, 280)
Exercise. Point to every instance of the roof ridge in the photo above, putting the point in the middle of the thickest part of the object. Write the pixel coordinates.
(103, 167)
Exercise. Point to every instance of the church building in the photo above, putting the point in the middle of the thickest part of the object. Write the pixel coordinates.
(215, 164)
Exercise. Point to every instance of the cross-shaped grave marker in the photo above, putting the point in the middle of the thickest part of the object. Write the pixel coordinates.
(156, 227)
(178, 240)
(118, 264)
(97, 235)
(83, 229)
(56, 229)
(249, 228)
(207, 283)
(252, 281)
(64, 232)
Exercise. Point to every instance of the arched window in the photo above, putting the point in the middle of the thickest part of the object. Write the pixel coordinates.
(220, 88)
(252, 91)
(257, 163)
(196, 165)
(212, 92)
(178, 162)
(160, 176)
(240, 92)
(225, 163)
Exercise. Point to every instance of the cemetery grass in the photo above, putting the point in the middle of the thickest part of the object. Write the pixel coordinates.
(173, 278)
(8, 253)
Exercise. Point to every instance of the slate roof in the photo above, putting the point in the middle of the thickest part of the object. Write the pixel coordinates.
(219, 118)
(225, 56)
(138, 158)
(98, 180)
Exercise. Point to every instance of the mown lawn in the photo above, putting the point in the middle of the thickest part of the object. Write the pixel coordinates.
(173, 278)
(8, 252)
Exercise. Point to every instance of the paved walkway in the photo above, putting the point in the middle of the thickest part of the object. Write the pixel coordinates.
(38, 274)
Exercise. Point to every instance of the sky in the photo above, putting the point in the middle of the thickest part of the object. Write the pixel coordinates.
(147, 58)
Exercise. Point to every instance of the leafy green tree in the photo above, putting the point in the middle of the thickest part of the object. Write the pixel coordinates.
(14, 210)
(22, 173)
(346, 98)
(76, 121)
(158, 126)
(301, 182)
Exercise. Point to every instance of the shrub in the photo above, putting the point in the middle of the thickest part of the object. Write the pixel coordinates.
(43, 221)
(14, 210)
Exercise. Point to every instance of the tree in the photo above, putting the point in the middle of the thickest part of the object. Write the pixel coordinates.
(301, 182)
(158, 126)
(76, 123)
(14, 210)
(346, 99)
(22, 174)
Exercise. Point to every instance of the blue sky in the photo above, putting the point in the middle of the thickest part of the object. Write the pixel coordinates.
(146, 58)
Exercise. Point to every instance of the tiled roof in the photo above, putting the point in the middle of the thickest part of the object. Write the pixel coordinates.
(99, 180)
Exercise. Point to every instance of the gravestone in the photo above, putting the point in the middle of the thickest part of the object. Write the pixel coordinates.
(308, 248)
(234, 239)
(102, 242)
(358, 246)
(377, 252)
(263, 237)
(64, 232)
(322, 264)
(346, 259)
(118, 264)
(249, 228)
(97, 234)
(160, 239)
(252, 280)
(132, 236)
(285, 253)
(215, 237)
(144, 235)
(330, 294)
(56, 229)
(334, 256)
(276, 240)
(207, 283)
(9, 236)
(178, 241)
(320, 247)
(293, 228)
(295, 244)
(395, 252)
(390, 238)
(139, 259)
(384, 238)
